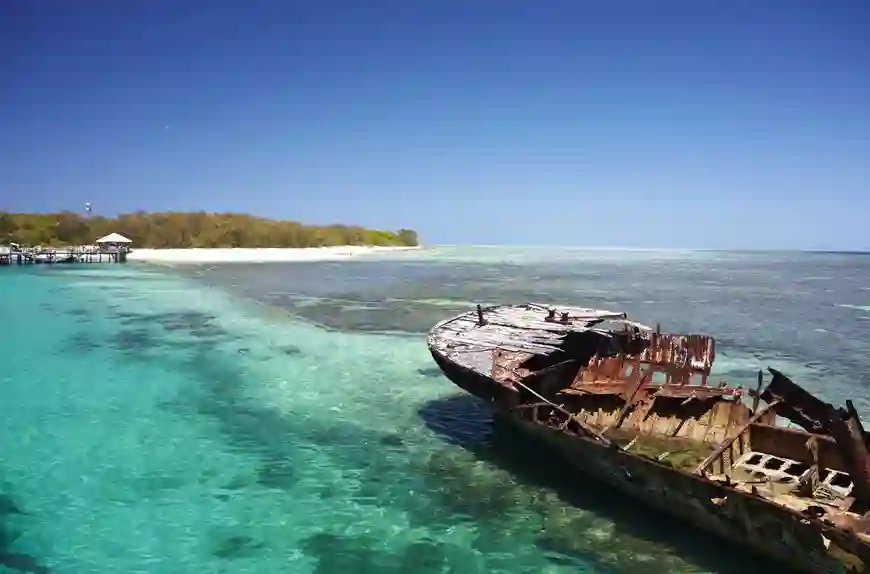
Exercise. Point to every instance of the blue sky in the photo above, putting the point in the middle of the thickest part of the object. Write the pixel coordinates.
(671, 123)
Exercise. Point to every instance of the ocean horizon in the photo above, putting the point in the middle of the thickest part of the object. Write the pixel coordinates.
(287, 417)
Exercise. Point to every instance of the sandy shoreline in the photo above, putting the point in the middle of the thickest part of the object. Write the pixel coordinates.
(258, 255)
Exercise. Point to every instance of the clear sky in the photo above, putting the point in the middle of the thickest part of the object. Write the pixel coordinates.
(661, 123)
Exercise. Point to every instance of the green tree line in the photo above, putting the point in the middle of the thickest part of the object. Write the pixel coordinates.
(189, 229)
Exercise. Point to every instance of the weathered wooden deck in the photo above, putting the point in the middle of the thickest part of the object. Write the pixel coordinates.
(68, 255)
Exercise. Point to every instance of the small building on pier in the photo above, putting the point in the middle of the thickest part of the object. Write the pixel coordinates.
(115, 243)
(115, 240)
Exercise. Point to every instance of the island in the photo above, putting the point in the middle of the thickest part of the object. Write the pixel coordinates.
(186, 230)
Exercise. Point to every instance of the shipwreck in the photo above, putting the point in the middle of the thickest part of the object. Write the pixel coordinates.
(634, 407)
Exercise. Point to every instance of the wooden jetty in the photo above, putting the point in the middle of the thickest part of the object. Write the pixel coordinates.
(14, 254)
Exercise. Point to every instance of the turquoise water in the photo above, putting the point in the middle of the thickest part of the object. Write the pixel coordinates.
(157, 421)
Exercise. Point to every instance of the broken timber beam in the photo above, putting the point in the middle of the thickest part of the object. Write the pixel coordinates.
(717, 452)
(819, 417)
(643, 378)
(586, 430)
(798, 405)
(849, 434)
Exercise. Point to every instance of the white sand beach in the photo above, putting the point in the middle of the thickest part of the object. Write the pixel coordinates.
(258, 255)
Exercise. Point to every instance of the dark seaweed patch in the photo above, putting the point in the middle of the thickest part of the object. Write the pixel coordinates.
(82, 342)
(134, 340)
(276, 473)
(142, 333)
(277, 437)
(210, 332)
(329, 491)
(78, 312)
(128, 318)
(422, 556)
(470, 489)
(291, 350)
(237, 483)
(15, 561)
(262, 431)
(239, 546)
(22, 563)
(8, 506)
(198, 324)
(336, 553)
(392, 440)
(561, 550)
(6, 538)
(184, 319)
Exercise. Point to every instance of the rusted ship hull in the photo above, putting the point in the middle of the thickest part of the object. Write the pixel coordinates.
(766, 528)
(770, 530)
(773, 528)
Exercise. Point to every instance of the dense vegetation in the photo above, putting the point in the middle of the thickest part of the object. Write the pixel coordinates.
(196, 229)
